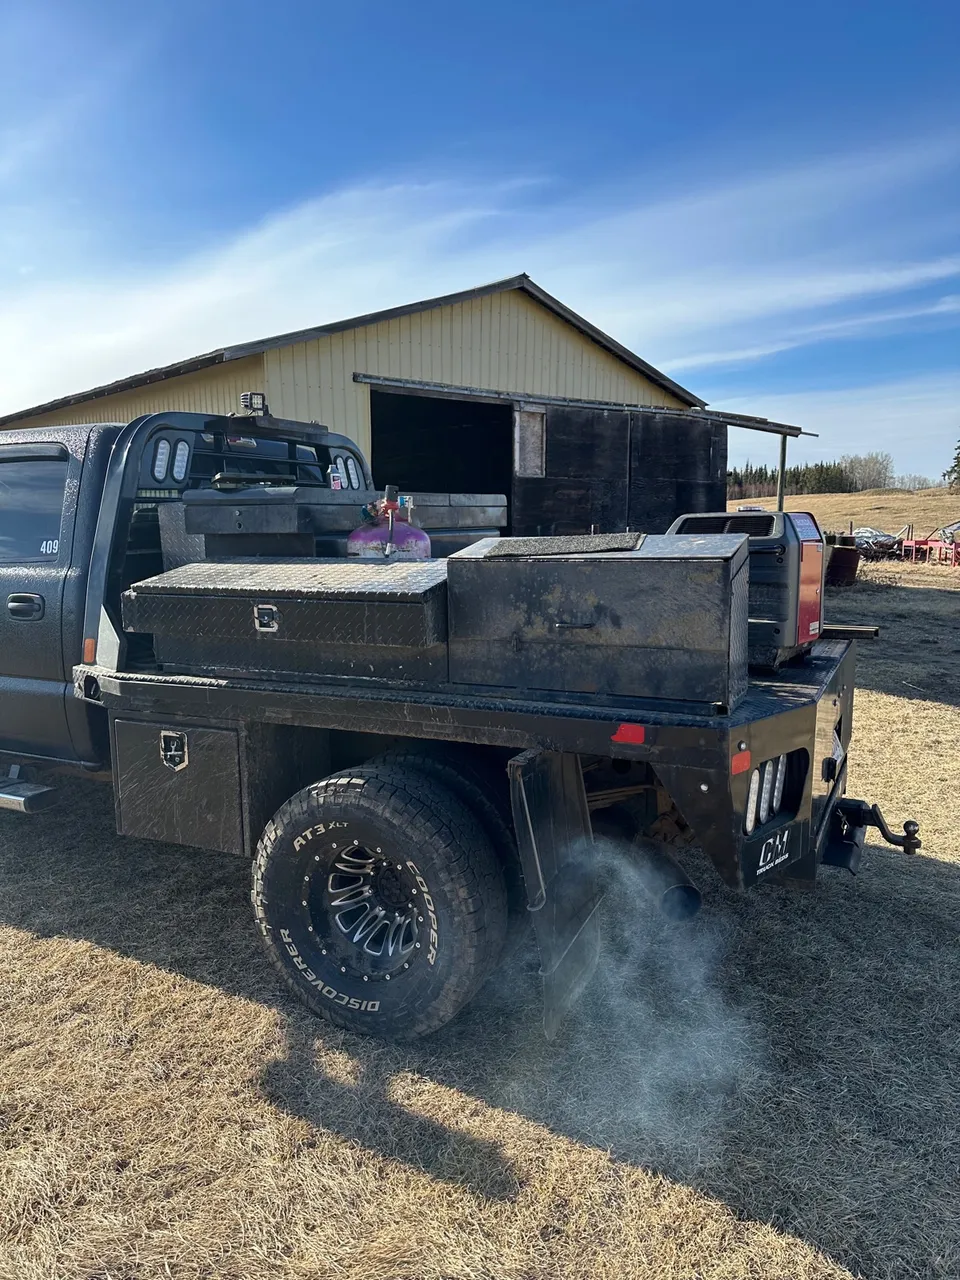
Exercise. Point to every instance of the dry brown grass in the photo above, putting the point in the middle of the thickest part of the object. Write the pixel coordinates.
(887, 509)
(769, 1094)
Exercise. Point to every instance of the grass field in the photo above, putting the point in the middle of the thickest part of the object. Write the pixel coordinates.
(769, 1092)
(887, 509)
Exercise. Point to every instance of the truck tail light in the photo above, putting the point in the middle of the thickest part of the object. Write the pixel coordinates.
(750, 819)
(766, 790)
(778, 784)
(90, 650)
(770, 793)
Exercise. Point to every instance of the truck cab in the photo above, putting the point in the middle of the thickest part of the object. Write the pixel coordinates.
(85, 511)
(51, 483)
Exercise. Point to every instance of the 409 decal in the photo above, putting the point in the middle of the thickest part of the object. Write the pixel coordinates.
(331, 993)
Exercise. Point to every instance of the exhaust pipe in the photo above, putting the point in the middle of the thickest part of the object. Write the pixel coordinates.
(665, 882)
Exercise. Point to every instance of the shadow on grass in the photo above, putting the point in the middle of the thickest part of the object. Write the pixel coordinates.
(793, 1055)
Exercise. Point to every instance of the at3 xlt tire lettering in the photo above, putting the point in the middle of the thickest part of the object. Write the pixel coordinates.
(380, 899)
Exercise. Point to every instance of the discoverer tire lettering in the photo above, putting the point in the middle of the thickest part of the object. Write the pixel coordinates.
(397, 851)
(331, 993)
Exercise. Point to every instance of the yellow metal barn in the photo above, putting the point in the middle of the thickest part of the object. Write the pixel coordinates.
(491, 390)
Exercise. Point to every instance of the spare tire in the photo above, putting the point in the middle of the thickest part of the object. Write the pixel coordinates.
(380, 900)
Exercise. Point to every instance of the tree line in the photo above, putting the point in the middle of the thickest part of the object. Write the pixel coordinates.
(850, 474)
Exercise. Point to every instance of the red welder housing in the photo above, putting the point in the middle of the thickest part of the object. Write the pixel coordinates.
(786, 578)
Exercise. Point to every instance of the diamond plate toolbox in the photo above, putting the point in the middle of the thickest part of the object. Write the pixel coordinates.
(313, 618)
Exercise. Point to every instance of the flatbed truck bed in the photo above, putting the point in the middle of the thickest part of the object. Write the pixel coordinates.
(399, 830)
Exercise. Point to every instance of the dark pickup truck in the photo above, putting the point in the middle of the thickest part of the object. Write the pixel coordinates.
(415, 754)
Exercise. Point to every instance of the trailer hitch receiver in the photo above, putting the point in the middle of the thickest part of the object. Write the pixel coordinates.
(860, 814)
(848, 828)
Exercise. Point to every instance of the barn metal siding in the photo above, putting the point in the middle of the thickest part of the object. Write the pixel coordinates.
(213, 390)
(504, 342)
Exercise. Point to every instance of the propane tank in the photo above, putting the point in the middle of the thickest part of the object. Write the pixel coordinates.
(387, 533)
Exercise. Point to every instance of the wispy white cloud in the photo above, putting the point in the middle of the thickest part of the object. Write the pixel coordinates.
(853, 327)
(691, 278)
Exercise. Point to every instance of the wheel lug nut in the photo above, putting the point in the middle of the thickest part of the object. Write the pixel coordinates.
(366, 978)
(343, 968)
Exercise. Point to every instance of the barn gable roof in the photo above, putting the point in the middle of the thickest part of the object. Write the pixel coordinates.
(223, 355)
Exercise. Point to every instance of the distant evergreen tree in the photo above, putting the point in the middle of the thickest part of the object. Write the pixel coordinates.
(952, 473)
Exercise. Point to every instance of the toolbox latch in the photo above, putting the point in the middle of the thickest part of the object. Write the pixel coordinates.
(266, 617)
(173, 749)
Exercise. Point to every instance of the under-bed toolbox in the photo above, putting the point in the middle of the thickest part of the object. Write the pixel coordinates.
(307, 617)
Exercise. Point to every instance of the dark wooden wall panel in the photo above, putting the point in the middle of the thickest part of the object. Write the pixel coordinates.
(612, 469)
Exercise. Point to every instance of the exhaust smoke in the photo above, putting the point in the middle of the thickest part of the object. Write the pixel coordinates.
(663, 880)
(649, 1062)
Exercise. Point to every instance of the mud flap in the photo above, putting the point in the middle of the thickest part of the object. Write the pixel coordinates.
(552, 822)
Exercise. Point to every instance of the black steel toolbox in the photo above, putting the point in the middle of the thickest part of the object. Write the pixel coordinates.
(303, 520)
(622, 616)
(304, 617)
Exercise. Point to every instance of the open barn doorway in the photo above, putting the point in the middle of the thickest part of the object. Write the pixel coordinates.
(432, 444)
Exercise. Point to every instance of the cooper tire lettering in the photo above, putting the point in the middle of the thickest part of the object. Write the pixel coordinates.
(433, 941)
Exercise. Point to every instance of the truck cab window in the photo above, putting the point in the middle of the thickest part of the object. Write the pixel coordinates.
(31, 508)
(257, 456)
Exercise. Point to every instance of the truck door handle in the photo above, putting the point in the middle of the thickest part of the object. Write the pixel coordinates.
(25, 606)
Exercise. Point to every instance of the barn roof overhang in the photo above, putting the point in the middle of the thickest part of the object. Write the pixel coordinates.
(224, 355)
(417, 386)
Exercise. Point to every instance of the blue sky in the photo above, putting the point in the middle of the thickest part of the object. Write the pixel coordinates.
(761, 199)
